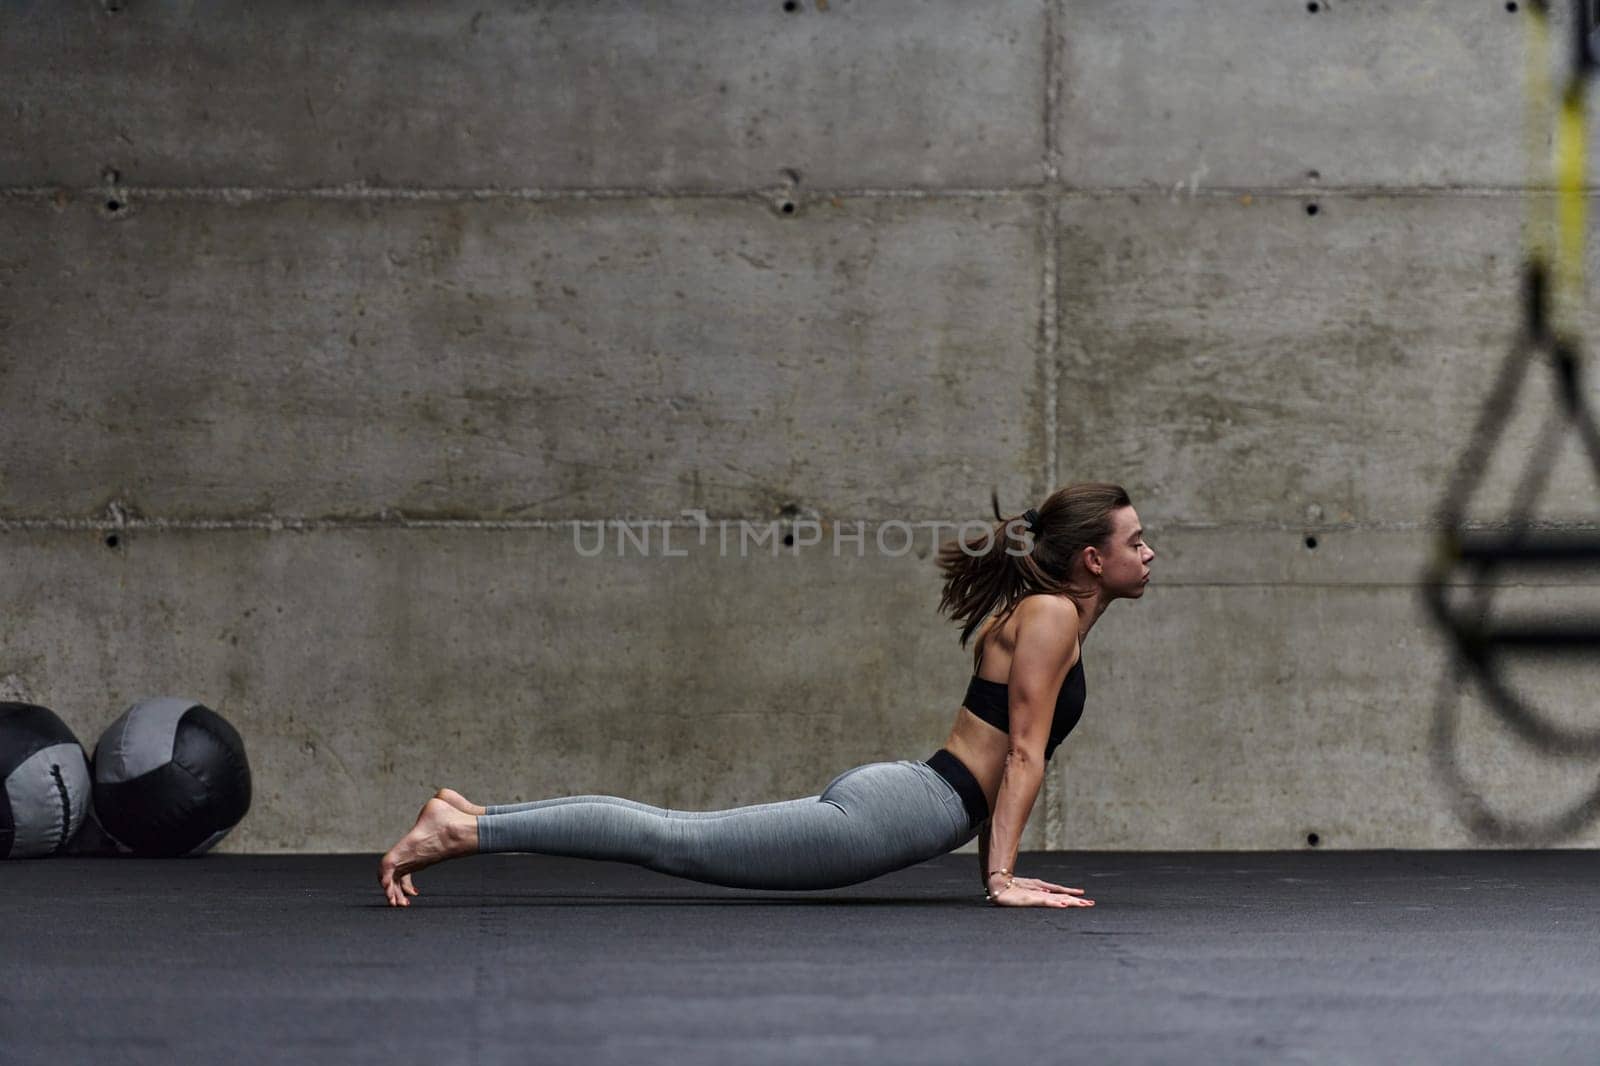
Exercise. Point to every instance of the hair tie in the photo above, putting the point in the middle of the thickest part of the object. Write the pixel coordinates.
(1033, 519)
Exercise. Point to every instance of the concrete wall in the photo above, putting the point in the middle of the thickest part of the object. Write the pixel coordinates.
(322, 333)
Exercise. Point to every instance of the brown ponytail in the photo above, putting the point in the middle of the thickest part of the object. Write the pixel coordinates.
(981, 575)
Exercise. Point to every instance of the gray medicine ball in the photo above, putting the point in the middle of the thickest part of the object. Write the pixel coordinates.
(46, 780)
(170, 778)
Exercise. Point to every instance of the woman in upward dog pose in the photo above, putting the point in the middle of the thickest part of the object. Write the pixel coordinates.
(1031, 588)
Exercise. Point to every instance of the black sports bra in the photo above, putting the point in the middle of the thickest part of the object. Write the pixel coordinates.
(988, 700)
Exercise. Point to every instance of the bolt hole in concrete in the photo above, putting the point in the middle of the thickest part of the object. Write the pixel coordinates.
(1512, 6)
(113, 206)
(1313, 7)
(1311, 542)
(1311, 209)
(112, 541)
(791, 5)
(1312, 839)
(787, 207)
(788, 540)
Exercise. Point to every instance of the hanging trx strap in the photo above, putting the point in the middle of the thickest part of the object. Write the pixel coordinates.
(1553, 299)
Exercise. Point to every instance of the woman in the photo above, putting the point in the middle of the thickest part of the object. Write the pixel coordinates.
(1036, 584)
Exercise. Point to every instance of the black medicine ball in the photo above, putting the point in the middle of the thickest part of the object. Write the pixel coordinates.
(170, 778)
(46, 782)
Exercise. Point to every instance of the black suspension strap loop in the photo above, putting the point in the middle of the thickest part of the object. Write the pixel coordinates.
(1552, 301)
(1483, 822)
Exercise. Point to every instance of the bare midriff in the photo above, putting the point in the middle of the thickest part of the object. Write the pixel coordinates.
(982, 749)
(979, 745)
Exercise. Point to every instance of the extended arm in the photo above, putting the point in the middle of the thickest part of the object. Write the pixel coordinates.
(1047, 639)
(1019, 787)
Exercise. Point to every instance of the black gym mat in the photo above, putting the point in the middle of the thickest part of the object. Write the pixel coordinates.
(1323, 957)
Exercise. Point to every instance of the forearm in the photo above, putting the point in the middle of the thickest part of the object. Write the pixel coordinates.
(1019, 787)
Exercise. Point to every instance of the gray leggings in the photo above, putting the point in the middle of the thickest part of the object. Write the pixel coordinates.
(870, 820)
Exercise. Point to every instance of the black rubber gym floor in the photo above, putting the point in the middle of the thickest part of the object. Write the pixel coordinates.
(1325, 957)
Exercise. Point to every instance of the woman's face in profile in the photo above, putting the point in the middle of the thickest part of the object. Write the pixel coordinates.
(1127, 557)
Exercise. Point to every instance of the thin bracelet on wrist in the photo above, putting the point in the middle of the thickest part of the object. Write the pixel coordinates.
(1009, 880)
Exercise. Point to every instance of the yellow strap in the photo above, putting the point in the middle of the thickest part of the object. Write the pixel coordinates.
(1569, 175)
(1567, 300)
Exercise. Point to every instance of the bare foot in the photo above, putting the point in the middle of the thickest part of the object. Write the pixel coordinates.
(459, 802)
(441, 832)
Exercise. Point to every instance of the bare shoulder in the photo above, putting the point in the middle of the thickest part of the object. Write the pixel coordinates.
(1048, 612)
(1047, 623)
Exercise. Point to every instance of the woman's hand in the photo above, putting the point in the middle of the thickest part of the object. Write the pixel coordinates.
(1032, 892)
(1046, 886)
